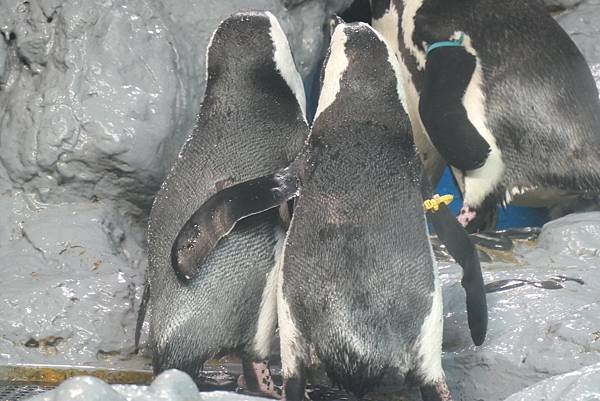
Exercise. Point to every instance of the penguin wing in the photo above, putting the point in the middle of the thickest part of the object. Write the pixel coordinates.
(459, 245)
(219, 214)
(448, 72)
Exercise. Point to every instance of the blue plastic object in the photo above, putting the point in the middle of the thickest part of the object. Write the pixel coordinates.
(447, 43)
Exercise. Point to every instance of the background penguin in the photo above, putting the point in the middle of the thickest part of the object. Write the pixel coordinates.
(251, 122)
(503, 94)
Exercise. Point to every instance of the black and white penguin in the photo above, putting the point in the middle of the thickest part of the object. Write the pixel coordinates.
(502, 93)
(357, 287)
(251, 122)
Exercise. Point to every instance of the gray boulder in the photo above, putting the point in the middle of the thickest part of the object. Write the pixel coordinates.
(99, 96)
(71, 277)
(581, 385)
(583, 25)
(534, 333)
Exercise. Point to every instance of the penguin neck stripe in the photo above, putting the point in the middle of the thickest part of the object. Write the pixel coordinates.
(447, 43)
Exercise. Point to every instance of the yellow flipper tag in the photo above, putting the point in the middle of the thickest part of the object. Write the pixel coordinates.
(434, 203)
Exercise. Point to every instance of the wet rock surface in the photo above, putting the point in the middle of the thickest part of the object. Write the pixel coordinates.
(542, 344)
(581, 385)
(582, 23)
(96, 98)
(534, 333)
(69, 293)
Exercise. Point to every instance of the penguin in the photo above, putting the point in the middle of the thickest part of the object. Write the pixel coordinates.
(251, 122)
(502, 93)
(357, 286)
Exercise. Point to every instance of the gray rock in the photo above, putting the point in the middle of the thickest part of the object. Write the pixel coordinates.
(577, 235)
(71, 277)
(542, 344)
(103, 94)
(94, 97)
(580, 385)
(534, 333)
(561, 4)
(583, 25)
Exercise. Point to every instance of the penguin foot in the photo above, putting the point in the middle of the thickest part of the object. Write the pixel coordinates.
(258, 381)
(436, 392)
(466, 215)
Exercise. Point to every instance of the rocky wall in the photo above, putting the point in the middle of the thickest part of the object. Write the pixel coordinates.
(96, 97)
(582, 23)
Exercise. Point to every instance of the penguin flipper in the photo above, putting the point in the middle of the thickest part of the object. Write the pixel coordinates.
(448, 73)
(462, 249)
(219, 214)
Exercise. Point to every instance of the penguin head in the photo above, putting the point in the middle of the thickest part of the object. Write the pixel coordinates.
(361, 65)
(252, 47)
(241, 42)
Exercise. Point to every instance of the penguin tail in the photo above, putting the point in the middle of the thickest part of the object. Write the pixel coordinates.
(355, 368)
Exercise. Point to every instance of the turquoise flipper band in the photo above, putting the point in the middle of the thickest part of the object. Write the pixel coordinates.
(447, 43)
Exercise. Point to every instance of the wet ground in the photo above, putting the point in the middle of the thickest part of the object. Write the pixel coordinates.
(543, 337)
